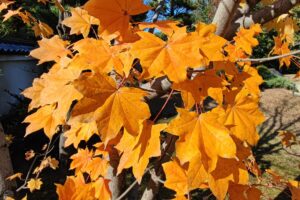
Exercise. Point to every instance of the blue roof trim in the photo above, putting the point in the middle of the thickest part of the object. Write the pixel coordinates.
(15, 48)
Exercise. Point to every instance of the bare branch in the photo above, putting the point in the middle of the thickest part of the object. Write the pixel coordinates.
(156, 13)
(261, 60)
(261, 16)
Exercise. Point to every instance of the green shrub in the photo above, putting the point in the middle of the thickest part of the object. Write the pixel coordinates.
(265, 73)
(272, 80)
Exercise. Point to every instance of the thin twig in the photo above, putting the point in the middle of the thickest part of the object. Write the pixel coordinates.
(44, 155)
(261, 60)
(156, 13)
(298, 57)
(291, 153)
(163, 107)
(131, 186)
(27, 176)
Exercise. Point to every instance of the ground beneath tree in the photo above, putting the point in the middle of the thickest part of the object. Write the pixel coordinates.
(282, 111)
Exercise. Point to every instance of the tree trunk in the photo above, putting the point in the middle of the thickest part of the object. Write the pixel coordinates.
(261, 16)
(5, 164)
(224, 15)
(116, 182)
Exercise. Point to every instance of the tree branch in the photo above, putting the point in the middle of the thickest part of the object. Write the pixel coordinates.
(261, 16)
(156, 13)
(261, 60)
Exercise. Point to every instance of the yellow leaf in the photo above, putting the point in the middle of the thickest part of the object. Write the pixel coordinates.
(53, 163)
(198, 86)
(175, 54)
(115, 15)
(245, 38)
(34, 184)
(282, 48)
(80, 22)
(44, 118)
(227, 171)
(11, 13)
(168, 27)
(42, 29)
(81, 159)
(120, 109)
(80, 131)
(4, 5)
(202, 135)
(95, 55)
(34, 93)
(102, 189)
(243, 115)
(137, 150)
(15, 176)
(53, 49)
(176, 178)
(285, 25)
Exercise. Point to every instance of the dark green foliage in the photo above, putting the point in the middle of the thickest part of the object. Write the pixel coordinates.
(272, 80)
(266, 43)
(265, 73)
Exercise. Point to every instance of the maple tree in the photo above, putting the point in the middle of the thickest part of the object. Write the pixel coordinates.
(99, 85)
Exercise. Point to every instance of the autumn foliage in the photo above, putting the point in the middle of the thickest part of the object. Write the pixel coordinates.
(102, 83)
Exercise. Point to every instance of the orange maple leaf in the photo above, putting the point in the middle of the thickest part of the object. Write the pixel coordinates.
(176, 177)
(183, 179)
(80, 22)
(168, 26)
(44, 118)
(112, 107)
(227, 171)
(198, 87)
(243, 115)
(202, 135)
(243, 192)
(34, 184)
(120, 109)
(245, 38)
(80, 131)
(115, 16)
(42, 29)
(172, 57)
(11, 13)
(282, 48)
(4, 5)
(94, 55)
(137, 150)
(52, 49)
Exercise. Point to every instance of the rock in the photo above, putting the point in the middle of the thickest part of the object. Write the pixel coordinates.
(275, 72)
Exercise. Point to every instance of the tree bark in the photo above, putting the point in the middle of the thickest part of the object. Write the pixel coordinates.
(261, 16)
(5, 164)
(116, 182)
(224, 15)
